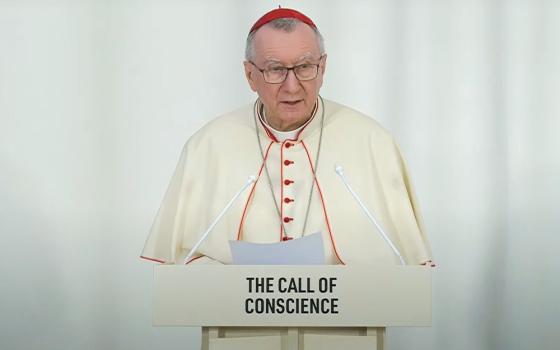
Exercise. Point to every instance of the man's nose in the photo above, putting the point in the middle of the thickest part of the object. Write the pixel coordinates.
(291, 83)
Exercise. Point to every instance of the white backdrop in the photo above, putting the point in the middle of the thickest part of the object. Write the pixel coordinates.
(98, 97)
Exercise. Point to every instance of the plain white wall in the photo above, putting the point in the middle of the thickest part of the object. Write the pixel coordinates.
(98, 97)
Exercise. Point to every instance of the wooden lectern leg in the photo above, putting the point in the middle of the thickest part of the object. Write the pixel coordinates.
(247, 338)
(292, 339)
(207, 334)
(379, 333)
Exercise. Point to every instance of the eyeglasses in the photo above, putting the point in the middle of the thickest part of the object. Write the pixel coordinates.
(277, 75)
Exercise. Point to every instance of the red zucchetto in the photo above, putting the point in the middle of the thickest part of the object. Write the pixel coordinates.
(281, 13)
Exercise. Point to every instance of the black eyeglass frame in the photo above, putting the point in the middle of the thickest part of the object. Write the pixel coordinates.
(288, 69)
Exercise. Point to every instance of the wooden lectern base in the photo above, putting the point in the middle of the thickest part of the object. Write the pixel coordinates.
(292, 338)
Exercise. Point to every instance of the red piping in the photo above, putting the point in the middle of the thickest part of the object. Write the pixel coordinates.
(193, 259)
(152, 259)
(313, 116)
(323, 204)
(268, 132)
(251, 193)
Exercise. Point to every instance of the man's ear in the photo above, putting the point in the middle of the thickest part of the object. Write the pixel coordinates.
(324, 65)
(249, 75)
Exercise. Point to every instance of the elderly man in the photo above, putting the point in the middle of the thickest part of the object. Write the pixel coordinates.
(291, 139)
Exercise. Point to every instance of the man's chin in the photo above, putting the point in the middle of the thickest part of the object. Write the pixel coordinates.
(295, 120)
(294, 115)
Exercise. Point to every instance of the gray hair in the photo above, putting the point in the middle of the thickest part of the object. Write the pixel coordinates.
(285, 24)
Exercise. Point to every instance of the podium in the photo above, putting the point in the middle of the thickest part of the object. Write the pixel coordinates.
(292, 307)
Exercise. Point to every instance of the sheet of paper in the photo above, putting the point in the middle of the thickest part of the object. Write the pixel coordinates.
(307, 250)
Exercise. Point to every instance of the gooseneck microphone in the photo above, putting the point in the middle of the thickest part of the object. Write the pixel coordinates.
(250, 180)
(340, 171)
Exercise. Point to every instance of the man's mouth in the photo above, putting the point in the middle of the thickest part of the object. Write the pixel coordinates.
(292, 103)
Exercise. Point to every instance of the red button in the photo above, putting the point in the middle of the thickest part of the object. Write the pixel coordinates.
(287, 182)
(288, 200)
(288, 162)
(288, 145)
(286, 238)
(287, 219)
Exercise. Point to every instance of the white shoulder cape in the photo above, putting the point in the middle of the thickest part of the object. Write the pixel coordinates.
(217, 160)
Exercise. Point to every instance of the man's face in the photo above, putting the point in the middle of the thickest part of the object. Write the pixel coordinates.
(289, 104)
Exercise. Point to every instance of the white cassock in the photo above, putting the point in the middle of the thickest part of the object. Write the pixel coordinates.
(217, 160)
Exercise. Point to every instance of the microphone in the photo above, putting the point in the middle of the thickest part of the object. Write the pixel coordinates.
(250, 180)
(340, 171)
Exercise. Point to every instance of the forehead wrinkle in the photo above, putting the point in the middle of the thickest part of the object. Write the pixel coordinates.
(273, 59)
(306, 56)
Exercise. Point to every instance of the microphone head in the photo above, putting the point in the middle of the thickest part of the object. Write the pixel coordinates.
(338, 169)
